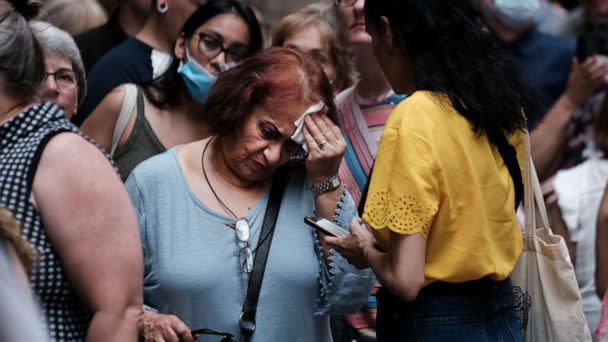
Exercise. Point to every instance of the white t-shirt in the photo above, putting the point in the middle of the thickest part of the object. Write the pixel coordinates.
(579, 192)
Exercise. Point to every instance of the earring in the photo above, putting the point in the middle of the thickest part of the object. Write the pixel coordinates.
(162, 7)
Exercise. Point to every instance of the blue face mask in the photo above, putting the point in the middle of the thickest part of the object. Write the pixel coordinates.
(516, 14)
(198, 81)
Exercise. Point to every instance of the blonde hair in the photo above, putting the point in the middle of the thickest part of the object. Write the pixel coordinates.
(319, 15)
(10, 232)
(73, 16)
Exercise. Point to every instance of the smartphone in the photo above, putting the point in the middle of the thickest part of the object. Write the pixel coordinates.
(326, 226)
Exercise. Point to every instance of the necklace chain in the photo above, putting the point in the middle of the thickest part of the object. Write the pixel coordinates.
(221, 203)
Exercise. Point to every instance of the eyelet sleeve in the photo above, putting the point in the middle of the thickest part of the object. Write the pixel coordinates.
(404, 190)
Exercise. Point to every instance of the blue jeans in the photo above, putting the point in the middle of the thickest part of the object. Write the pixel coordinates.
(480, 310)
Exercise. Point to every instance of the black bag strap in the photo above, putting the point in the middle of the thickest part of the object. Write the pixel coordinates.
(247, 319)
(509, 156)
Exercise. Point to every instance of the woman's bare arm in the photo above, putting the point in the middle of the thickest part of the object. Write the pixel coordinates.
(601, 250)
(559, 227)
(100, 125)
(400, 269)
(91, 223)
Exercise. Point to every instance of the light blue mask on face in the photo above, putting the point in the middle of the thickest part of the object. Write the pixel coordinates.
(516, 14)
(197, 79)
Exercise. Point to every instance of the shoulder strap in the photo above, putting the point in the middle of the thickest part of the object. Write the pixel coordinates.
(247, 319)
(509, 156)
(128, 104)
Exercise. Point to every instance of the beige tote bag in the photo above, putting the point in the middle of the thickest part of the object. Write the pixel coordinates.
(544, 272)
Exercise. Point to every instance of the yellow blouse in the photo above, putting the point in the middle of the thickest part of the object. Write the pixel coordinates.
(434, 176)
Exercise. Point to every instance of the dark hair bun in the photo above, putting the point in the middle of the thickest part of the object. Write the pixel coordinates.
(27, 8)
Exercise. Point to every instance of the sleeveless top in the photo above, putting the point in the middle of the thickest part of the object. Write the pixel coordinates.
(141, 144)
(22, 140)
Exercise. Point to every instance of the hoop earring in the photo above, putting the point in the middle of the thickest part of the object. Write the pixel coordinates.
(162, 7)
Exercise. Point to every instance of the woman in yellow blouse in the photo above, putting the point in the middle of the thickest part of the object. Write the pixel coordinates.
(447, 177)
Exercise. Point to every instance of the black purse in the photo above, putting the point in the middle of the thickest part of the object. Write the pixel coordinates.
(247, 323)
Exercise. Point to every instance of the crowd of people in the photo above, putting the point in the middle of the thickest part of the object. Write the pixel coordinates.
(158, 159)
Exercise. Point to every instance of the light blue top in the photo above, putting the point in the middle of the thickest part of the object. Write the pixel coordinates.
(192, 269)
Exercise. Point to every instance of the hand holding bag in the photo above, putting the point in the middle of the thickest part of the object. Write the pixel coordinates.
(545, 273)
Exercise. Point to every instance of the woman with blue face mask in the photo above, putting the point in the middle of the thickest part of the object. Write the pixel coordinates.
(135, 122)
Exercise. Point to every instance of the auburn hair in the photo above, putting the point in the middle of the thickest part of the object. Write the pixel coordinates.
(272, 78)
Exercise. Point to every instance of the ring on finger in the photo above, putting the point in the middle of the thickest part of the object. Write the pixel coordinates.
(322, 144)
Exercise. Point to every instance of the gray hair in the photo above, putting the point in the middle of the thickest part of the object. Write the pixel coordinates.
(57, 42)
(21, 58)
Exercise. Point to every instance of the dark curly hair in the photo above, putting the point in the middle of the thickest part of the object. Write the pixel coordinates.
(453, 51)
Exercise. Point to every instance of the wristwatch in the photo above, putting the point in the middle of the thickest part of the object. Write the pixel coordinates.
(328, 185)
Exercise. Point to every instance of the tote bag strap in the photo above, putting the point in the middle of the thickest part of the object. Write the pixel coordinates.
(534, 203)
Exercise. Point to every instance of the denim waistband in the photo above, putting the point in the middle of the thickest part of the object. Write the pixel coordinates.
(485, 292)
(480, 287)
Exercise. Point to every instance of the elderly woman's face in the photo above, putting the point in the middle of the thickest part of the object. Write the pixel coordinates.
(262, 143)
(312, 41)
(60, 84)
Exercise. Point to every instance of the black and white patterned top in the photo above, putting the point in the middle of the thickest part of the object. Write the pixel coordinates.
(22, 140)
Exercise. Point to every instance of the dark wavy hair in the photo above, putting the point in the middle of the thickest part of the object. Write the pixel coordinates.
(169, 85)
(453, 51)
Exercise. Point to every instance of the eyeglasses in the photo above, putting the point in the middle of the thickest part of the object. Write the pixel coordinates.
(64, 78)
(346, 3)
(211, 47)
(245, 255)
(228, 337)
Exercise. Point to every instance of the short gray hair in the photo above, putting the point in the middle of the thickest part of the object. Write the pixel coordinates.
(57, 42)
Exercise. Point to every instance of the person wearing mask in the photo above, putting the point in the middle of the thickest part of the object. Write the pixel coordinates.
(138, 59)
(312, 29)
(70, 202)
(514, 21)
(126, 19)
(562, 83)
(447, 177)
(169, 111)
(201, 208)
(65, 81)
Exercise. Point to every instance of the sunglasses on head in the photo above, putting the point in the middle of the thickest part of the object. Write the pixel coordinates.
(227, 337)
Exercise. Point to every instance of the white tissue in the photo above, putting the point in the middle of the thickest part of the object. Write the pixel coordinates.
(298, 135)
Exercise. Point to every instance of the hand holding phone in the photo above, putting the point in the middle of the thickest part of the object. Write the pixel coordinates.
(325, 226)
